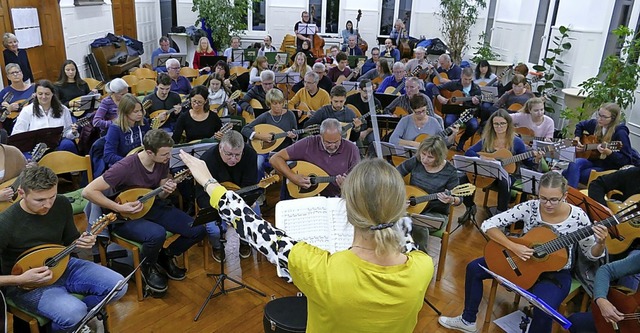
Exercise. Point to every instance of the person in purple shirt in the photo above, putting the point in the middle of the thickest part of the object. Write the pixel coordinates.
(108, 109)
(394, 80)
(179, 83)
(328, 150)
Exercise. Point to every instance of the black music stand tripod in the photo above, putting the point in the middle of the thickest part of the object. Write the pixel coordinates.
(207, 214)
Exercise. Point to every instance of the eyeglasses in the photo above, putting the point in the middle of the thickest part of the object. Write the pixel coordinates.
(375, 54)
(307, 82)
(174, 68)
(15, 73)
(603, 116)
(553, 201)
(196, 102)
(499, 124)
(228, 154)
(267, 83)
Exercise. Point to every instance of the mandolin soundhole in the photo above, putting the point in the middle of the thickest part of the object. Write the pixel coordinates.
(266, 145)
(313, 186)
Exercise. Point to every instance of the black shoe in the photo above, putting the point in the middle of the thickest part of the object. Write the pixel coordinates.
(245, 250)
(155, 281)
(168, 265)
(217, 255)
(468, 215)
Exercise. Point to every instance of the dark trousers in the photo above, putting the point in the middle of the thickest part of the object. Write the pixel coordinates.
(504, 193)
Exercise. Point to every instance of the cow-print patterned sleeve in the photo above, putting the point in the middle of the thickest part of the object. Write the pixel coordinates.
(526, 211)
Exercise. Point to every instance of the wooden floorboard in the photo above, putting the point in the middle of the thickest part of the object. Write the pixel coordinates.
(241, 311)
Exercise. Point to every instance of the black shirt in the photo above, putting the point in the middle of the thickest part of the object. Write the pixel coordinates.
(196, 130)
(68, 91)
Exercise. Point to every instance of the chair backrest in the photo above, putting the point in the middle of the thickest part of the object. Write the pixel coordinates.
(93, 83)
(189, 73)
(595, 174)
(200, 80)
(145, 87)
(64, 162)
(131, 80)
(145, 73)
(239, 70)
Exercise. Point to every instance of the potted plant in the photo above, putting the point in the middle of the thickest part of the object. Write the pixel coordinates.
(225, 17)
(458, 16)
(484, 51)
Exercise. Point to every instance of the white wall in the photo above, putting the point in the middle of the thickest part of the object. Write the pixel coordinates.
(513, 27)
(149, 28)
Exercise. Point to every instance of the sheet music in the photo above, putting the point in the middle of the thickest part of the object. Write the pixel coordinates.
(319, 221)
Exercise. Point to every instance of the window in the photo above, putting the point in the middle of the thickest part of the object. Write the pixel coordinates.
(325, 14)
(392, 10)
(257, 16)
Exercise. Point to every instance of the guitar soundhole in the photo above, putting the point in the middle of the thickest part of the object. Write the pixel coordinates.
(538, 253)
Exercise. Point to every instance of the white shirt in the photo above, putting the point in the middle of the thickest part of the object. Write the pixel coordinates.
(28, 121)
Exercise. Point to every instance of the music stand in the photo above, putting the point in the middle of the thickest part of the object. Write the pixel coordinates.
(97, 310)
(25, 141)
(566, 154)
(86, 103)
(531, 298)
(385, 99)
(530, 181)
(162, 58)
(595, 210)
(307, 28)
(210, 60)
(208, 215)
(181, 57)
(250, 55)
(350, 85)
(194, 149)
(289, 79)
(237, 57)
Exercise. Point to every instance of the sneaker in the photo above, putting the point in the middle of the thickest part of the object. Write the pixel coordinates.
(245, 250)
(468, 215)
(456, 323)
(168, 265)
(154, 280)
(217, 255)
(261, 200)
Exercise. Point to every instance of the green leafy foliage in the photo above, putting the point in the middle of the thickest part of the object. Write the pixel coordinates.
(458, 16)
(225, 17)
(484, 50)
(552, 69)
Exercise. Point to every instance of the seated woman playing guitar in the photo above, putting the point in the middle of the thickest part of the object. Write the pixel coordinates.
(498, 133)
(379, 276)
(603, 130)
(532, 118)
(483, 75)
(551, 210)
(127, 130)
(431, 172)
(12, 95)
(410, 127)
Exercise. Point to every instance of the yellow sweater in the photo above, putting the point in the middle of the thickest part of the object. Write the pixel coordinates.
(320, 99)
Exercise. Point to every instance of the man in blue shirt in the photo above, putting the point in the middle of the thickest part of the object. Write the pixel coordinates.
(371, 62)
(164, 48)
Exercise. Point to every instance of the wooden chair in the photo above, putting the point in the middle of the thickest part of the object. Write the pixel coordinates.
(65, 162)
(595, 174)
(353, 107)
(189, 73)
(200, 80)
(145, 73)
(131, 80)
(145, 87)
(238, 70)
(93, 83)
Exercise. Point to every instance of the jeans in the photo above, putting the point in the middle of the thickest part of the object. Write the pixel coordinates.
(582, 322)
(67, 145)
(469, 131)
(578, 171)
(263, 163)
(150, 230)
(552, 289)
(56, 302)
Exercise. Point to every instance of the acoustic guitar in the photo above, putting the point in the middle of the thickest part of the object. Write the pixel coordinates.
(277, 136)
(146, 196)
(464, 117)
(591, 144)
(36, 155)
(419, 199)
(54, 256)
(627, 302)
(319, 178)
(628, 232)
(440, 77)
(347, 127)
(13, 114)
(219, 108)
(495, 79)
(263, 183)
(508, 160)
(550, 252)
(351, 75)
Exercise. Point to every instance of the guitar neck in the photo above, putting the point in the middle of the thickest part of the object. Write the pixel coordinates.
(323, 179)
(284, 134)
(150, 195)
(524, 156)
(492, 82)
(428, 197)
(351, 125)
(247, 189)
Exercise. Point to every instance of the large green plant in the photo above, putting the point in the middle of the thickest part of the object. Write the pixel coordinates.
(458, 16)
(552, 69)
(225, 18)
(483, 50)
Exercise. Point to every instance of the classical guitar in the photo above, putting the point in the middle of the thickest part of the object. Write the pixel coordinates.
(146, 196)
(628, 232)
(54, 256)
(464, 117)
(263, 183)
(419, 199)
(36, 154)
(508, 160)
(440, 77)
(277, 136)
(347, 127)
(319, 178)
(351, 75)
(590, 147)
(458, 97)
(627, 302)
(550, 252)
(13, 114)
(396, 90)
(495, 79)
(219, 108)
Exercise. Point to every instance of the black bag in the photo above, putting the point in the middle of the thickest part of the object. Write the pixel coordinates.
(178, 30)
(437, 47)
(118, 58)
(286, 315)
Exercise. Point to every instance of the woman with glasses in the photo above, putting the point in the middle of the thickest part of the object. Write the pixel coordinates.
(550, 210)
(127, 130)
(16, 92)
(498, 134)
(606, 127)
(532, 117)
(415, 124)
(108, 109)
(198, 123)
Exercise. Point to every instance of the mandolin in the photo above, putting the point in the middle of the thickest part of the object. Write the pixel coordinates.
(36, 155)
(54, 256)
(590, 147)
(146, 196)
(318, 177)
(160, 117)
(419, 199)
(627, 302)
(347, 127)
(464, 117)
(550, 252)
(263, 183)
(219, 108)
(13, 114)
(278, 136)
(304, 110)
(628, 232)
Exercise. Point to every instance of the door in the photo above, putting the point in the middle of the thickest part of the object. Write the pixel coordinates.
(124, 18)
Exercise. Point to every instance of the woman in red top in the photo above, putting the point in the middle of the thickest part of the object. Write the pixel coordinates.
(204, 48)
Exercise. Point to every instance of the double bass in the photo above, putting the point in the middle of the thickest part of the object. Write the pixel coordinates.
(317, 42)
(362, 44)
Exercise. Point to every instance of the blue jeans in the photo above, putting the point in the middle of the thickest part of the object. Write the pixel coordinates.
(552, 289)
(582, 322)
(56, 302)
(504, 193)
(469, 131)
(150, 230)
(578, 171)
(428, 90)
(263, 163)
(67, 145)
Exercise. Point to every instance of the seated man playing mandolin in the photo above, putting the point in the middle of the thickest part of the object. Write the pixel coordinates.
(328, 151)
(149, 219)
(339, 111)
(551, 284)
(164, 99)
(43, 217)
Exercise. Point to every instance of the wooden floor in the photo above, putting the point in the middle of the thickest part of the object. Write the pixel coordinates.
(241, 311)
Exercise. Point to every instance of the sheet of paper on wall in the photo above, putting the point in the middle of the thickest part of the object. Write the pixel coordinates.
(29, 37)
(319, 221)
(24, 18)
